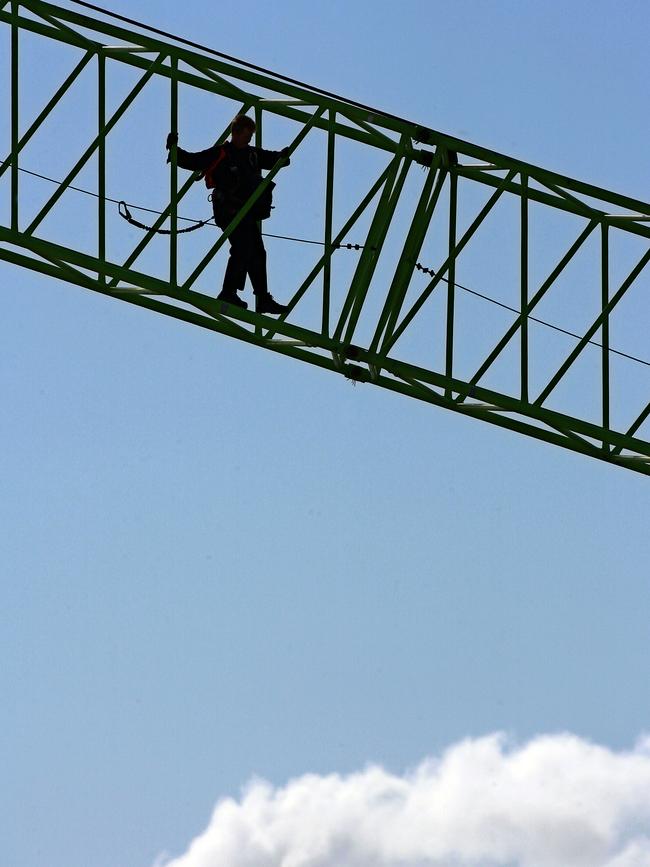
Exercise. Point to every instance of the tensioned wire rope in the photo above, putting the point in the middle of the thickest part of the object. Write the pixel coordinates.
(418, 266)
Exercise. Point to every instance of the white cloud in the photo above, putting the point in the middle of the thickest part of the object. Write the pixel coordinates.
(557, 801)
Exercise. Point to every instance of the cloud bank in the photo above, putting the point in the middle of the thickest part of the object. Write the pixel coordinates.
(557, 801)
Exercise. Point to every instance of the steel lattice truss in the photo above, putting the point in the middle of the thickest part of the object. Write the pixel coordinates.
(357, 332)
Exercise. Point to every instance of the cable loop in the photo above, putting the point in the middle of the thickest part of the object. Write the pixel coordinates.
(123, 210)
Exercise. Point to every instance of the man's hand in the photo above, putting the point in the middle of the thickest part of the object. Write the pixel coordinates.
(285, 158)
(172, 141)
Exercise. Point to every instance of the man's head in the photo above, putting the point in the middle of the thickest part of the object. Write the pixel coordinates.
(241, 130)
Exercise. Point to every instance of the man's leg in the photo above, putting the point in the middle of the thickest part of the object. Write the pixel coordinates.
(256, 260)
(264, 301)
(235, 276)
(248, 257)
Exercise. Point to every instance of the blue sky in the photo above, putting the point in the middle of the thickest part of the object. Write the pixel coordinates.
(219, 563)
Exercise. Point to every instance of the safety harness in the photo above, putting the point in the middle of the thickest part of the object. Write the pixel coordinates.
(209, 176)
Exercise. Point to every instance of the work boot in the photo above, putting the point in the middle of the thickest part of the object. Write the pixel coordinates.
(267, 304)
(232, 298)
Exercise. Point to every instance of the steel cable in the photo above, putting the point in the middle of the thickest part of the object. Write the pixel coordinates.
(419, 267)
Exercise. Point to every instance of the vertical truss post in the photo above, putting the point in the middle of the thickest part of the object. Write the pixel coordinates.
(451, 281)
(329, 206)
(259, 117)
(173, 175)
(605, 330)
(101, 165)
(14, 115)
(523, 304)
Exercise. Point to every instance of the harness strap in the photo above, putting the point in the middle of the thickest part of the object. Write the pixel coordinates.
(209, 180)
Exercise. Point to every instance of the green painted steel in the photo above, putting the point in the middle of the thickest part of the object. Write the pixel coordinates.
(367, 327)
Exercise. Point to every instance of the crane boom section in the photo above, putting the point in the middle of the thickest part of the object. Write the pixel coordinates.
(479, 283)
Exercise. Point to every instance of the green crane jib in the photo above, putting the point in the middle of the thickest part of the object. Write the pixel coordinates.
(362, 335)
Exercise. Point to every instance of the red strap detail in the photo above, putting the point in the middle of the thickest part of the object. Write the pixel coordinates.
(208, 173)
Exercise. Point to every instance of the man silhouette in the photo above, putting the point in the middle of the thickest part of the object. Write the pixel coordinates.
(234, 171)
